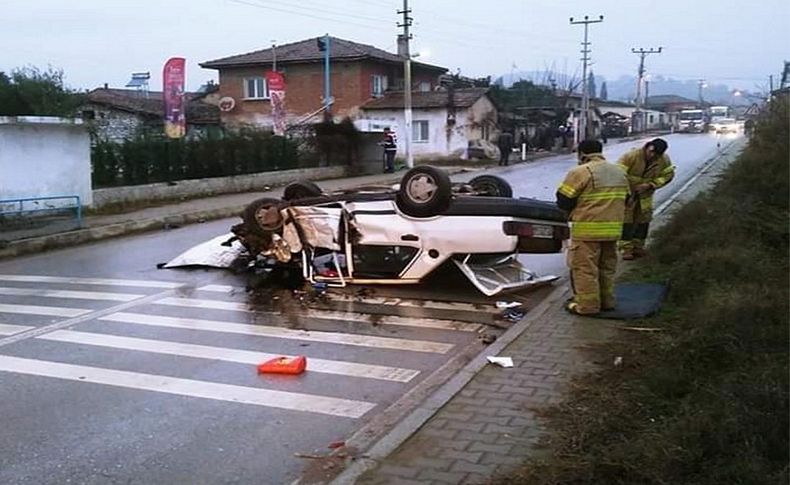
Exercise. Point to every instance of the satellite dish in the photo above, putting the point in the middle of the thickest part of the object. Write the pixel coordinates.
(227, 104)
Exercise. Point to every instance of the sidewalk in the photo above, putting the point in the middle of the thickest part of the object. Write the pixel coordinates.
(486, 420)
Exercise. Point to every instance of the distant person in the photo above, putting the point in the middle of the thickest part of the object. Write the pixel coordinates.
(648, 169)
(390, 149)
(505, 143)
(594, 194)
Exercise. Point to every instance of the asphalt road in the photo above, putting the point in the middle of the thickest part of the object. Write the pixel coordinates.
(115, 372)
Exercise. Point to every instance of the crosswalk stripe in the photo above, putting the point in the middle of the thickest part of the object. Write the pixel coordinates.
(221, 288)
(88, 281)
(380, 300)
(55, 311)
(325, 315)
(284, 333)
(352, 369)
(8, 329)
(188, 387)
(414, 303)
(80, 295)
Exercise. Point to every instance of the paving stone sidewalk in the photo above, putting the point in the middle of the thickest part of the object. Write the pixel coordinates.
(491, 424)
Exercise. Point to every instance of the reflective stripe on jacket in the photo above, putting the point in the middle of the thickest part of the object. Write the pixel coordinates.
(600, 189)
(657, 174)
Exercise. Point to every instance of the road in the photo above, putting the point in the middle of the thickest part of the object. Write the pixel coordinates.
(115, 372)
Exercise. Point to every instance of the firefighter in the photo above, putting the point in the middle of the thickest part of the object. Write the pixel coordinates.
(594, 193)
(648, 169)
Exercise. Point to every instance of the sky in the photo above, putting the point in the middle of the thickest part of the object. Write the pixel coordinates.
(738, 43)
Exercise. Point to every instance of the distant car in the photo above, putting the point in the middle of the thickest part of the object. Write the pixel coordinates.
(384, 235)
(726, 125)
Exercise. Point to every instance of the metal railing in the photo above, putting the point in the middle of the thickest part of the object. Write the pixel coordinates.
(17, 206)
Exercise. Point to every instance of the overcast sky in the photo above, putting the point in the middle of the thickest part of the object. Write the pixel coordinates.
(733, 42)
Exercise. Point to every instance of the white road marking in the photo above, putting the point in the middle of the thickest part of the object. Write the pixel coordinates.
(36, 331)
(188, 387)
(278, 332)
(415, 303)
(88, 281)
(325, 315)
(221, 288)
(379, 300)
(229, 355)
(8, 329)
(55, 311)
(80, 295)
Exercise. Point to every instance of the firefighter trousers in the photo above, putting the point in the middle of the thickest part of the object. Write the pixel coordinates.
(592, 266)
(634, 236)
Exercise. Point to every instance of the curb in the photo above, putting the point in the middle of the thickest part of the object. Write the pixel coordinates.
(82, 236)
(425, 411)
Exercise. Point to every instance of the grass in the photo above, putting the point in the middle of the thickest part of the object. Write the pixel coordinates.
(705, 401)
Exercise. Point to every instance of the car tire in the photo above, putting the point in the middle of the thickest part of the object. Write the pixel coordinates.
(424, 191)
(491, 186)
(301, 190)
(260, 219)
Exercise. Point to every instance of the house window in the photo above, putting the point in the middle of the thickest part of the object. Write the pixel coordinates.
(378, 84)
(256, 88)
(88, 114)
(424, 87)
(651, 119)
(485, 131)
(419, 131)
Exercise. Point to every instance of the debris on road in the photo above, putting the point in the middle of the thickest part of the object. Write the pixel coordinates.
(284, 365)
(513, 315)
(505, 362)
(487, 338)
(502, 305)
(618, 361)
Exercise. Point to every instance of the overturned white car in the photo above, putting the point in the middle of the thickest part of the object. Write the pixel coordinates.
(381, 235)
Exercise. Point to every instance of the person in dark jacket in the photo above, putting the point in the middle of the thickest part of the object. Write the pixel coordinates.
(505, 147)
(390, 148)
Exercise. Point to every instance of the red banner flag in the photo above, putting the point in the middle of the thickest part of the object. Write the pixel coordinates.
(173, 79)
(276, 85)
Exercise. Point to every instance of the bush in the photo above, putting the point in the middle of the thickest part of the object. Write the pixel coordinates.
(706, 401)
(147, 159)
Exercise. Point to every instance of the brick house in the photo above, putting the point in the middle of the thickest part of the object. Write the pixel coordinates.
(445, 122)
(122, 114)
(358, 72)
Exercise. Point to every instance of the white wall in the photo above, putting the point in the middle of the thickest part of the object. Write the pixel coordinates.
(44, 156)
(443, 141)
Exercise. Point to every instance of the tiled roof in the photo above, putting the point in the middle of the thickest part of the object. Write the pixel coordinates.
(307, 51)
(151, 104)
(463, 98)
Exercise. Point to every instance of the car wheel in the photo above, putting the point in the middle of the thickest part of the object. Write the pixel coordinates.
(263, 216)
(424, 192)
(301, 190)
(491, 186)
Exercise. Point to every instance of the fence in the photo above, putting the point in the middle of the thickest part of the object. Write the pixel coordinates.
(147, 160)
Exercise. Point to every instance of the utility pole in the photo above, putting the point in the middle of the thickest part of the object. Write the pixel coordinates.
(404, 50)
(639, 115)
(325, 47)
(585, 58)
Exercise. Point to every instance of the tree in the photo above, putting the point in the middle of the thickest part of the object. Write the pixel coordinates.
(604, 94)
(522, 94)
(591, 84)
(31, 91)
